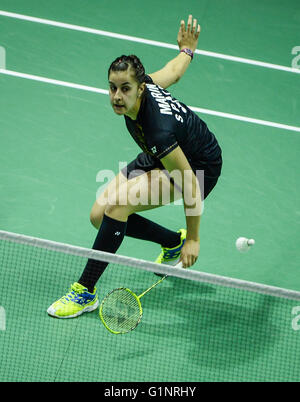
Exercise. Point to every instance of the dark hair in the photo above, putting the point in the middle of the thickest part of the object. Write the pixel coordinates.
(123, 62)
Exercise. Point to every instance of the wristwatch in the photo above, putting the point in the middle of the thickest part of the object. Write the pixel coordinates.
(188, 52)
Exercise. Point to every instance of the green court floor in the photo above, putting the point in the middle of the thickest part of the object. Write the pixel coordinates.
(54, 140)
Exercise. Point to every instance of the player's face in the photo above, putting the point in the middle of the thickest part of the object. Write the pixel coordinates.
(124, 93)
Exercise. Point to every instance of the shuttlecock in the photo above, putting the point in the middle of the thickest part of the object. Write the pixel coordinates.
(243, 244)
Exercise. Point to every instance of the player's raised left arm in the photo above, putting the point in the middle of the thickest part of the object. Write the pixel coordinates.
(187, 39)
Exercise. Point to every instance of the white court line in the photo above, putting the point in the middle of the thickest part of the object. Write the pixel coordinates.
(146, 41)
(105, 92)
(247, 119)
(54, 82)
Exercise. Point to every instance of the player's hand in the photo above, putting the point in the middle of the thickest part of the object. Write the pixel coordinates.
(188, 36)
(189, 253)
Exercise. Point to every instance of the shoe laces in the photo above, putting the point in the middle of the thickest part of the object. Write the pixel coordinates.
(75, 292)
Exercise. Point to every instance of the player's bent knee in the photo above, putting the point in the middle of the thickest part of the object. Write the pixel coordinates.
(96, 217)
(95, 221)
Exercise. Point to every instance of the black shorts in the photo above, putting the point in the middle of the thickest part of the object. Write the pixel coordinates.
(207, 174)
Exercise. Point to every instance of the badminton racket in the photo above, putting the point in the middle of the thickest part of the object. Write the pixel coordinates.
(121, 310)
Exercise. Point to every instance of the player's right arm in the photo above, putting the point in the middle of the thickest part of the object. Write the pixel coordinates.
(175, 69)
(191, 195)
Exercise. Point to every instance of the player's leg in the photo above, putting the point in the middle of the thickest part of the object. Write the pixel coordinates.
(141, 193)
(109, 195)
(138, 226)
(80, 298)
(111, 214)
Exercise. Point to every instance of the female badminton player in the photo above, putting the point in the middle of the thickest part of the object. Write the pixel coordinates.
(173, 139)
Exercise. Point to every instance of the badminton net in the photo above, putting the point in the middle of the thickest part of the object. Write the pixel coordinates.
(195, 326)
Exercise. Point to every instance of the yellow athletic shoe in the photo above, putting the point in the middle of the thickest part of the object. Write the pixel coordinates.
(171, 256)
(74, 303)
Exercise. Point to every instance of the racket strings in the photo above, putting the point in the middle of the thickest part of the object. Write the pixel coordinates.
(121, 311)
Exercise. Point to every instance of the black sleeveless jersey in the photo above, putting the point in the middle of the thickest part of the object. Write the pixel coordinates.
(163, 123)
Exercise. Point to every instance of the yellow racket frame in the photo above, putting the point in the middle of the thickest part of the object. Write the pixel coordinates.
(137, 299)
(139, 304)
